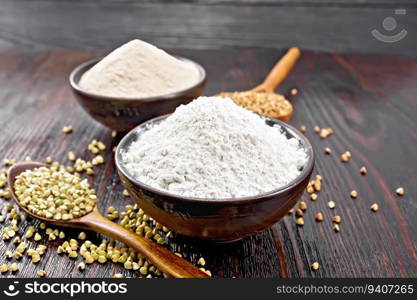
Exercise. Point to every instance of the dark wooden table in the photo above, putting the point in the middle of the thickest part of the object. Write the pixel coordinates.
(369, 101)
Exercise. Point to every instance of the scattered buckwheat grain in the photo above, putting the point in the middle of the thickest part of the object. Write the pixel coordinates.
(337, 219)
(400, 191)
(374, 207)
(201, 261)
(325, 133)
(319, 217)
(67, 129)
(345, 157)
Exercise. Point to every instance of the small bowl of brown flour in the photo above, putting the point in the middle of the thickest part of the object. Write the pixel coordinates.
(134, 83)
(214, 170)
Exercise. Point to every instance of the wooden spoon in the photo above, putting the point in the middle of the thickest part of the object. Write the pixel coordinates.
(165, 260)
(262, 99)
(279, 71)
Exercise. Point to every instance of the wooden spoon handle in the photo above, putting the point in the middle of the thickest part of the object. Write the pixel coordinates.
(279, 71)
(165, 260)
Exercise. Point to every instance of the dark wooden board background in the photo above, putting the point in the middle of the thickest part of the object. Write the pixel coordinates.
(321, 25)
(370, 102)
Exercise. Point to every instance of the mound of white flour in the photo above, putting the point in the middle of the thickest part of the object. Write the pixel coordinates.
(136, 70)
(212, 148)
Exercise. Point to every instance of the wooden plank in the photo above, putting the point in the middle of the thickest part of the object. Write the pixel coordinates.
(45, 24)
(369, 101)
(350, 3)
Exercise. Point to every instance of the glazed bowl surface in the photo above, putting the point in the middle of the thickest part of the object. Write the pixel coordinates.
(220, 220)
(123, 114)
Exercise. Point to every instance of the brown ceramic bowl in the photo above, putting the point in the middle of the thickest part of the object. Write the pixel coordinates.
(123, 114)
(219, 220)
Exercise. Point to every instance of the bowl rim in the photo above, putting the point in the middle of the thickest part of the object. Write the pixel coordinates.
(85, 66)
(307, 170)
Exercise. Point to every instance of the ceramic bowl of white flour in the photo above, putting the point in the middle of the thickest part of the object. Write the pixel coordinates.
(215, 171)
(123, 114)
